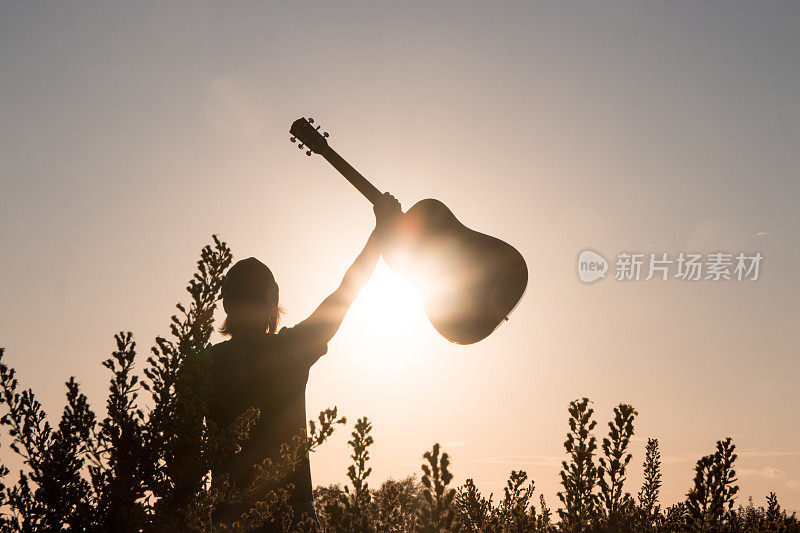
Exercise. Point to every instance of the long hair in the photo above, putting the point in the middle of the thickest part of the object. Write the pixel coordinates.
(237, 325)
(250, 298)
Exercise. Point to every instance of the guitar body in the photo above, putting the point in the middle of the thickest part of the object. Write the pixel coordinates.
(469, 281)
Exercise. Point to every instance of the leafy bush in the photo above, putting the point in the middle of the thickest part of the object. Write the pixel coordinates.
(617, 507)
(579, 476)
(145, 466)
(649, 509)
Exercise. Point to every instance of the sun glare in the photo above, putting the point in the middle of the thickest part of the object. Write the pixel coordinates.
(389, 307)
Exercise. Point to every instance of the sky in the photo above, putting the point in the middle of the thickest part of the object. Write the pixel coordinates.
(130, 133)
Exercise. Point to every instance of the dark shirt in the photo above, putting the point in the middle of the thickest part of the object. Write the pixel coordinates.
(269, 373)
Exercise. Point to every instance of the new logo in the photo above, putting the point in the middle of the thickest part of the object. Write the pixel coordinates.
(591, 266)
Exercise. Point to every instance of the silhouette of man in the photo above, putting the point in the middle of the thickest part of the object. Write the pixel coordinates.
(263, 367)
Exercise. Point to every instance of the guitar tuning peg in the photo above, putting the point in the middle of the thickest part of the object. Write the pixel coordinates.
(318, 127)
(324, 133)
(300, 146)
(308, 153)
(293, 139)
(310, 120)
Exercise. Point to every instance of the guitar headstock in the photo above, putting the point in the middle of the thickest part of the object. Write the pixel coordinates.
(303, 130)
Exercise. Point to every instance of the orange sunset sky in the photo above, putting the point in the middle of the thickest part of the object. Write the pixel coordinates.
(132, 132)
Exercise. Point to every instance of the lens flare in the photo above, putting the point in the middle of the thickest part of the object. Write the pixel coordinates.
(388, 307)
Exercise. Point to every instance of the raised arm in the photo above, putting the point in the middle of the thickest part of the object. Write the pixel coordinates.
(324, 322)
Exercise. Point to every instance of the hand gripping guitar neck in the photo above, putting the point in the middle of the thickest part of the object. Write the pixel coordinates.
(469, 282)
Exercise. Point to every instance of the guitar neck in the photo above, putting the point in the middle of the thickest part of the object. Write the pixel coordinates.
(352, 175)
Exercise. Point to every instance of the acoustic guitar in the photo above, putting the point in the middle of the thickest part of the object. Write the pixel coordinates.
(469, 282)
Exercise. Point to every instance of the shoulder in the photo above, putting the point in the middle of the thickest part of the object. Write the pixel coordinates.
(303, 339)
(216, 356)
(302, 332)
(232, 348)
(286, 332)
(217, 350)
(288, 336)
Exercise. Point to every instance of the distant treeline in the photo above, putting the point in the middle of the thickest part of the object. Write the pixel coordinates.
(145, 465)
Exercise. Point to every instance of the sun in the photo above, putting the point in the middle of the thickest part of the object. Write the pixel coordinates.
(389, 307)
